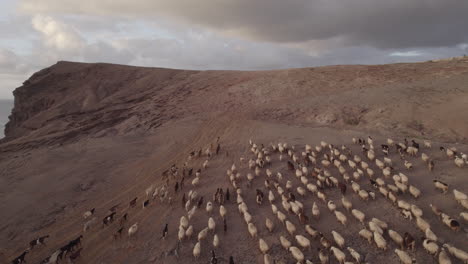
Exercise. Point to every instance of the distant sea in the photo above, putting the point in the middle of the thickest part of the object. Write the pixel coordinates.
(5, 110)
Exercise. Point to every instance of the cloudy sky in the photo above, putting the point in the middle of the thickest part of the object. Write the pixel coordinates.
(226, 34)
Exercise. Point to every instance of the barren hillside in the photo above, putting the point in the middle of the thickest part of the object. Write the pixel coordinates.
(85, 136)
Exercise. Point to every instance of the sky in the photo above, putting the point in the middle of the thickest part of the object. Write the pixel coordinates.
(225, 34)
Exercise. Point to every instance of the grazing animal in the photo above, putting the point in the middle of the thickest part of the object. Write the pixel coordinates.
(165, 231)
(380, 241)
(133, 229)
(404, 257)
(20, 258)
(408, 241)
(339, 255)
(297, 254)
(197, 250)
(263, 246)
(89, 213)
(456, 252)
(441, 186)
(133, 202)
(430, 246)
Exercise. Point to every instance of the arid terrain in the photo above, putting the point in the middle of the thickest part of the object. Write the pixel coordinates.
(85, 136)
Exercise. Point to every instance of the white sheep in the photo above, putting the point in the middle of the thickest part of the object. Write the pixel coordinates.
(403, 204)
(184, 221)
(252, 230)
(290, 227)
(403, 177)
(427, 144)
(340, 241)
(274, 209)
(189, 232)
(422, 224)
(443, 257)
(408, 165)
(388, 161)
(380, 223)
(392, 197)
(364, 165)
(269, 224)
(181, 233)
(374, 227)
(281, 216)
(321, 196)
(133, 229)
(279, 176)
(356, 256)
(303, 241)
(459, 162)
(311, 231)
(456, 252)
(397, 238)
(263, 246)
(215, 241)
(205, 164)
(464, 216)
(222, 211)
(297, 254)
(387, 172)
(301, 191)
(464, 203)
(195, 181)
(424, 157)
(415, 192)
(346, 203)
(331, 205)
(363, 194)
(383, 191)
(380, 164)
(267, 259)
(203, 234)
(304, 180)
(209, 207)
(197, 250)
(312, 188)
(393, 188)
(356, 188)
(459, 196)
(430, 235)
(285, 243)
(247, 217)
(412, 151)
(404, 257)
(416, 211)
(358, 215)
(431, 247)
(211, 224)
(402, 187)
(339, 255)
(340, 217)
(380, 241)
(366, 234)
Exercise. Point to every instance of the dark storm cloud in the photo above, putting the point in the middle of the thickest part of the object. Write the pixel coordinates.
(381, 24)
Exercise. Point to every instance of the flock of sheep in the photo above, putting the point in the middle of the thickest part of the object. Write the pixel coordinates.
(312, 167)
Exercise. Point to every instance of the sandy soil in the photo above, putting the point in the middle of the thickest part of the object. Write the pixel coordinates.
(65, 159)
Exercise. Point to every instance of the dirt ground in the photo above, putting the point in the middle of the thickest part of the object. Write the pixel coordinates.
(50, 178)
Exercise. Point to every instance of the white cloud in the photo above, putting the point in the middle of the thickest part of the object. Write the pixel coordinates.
(56, 34)
(411, 53)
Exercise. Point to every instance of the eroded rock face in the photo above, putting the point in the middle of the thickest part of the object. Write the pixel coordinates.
(69, 101)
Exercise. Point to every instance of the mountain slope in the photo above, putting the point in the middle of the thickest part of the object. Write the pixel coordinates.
(97, 135)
